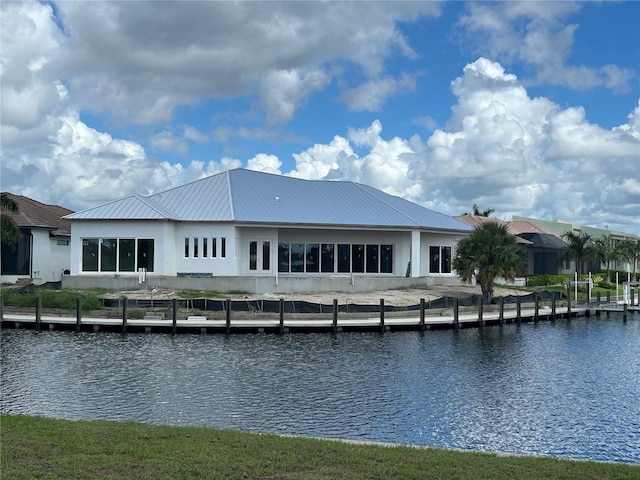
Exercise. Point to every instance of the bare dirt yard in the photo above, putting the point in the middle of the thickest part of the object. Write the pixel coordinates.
(395, 297)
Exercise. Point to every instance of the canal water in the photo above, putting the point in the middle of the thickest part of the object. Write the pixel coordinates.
(568, 388)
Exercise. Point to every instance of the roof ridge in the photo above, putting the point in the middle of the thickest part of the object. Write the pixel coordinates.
(365, 189)
(165, 212)
(229, 194)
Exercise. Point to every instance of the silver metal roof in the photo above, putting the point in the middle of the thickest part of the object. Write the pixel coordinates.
(246, 196)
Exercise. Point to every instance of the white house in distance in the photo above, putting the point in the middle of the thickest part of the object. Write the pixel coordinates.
(263, 233)
(41, 254)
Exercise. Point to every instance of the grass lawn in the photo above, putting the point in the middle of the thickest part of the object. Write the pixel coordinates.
(35, 447)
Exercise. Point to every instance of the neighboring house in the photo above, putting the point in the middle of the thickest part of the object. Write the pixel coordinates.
(42, 253)
(258, 232)
(561, 227)
(544, 248)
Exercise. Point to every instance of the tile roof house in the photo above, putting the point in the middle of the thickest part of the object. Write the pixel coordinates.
(42, 254)
(259, 232)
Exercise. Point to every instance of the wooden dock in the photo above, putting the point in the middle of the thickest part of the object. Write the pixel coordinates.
(475, 317)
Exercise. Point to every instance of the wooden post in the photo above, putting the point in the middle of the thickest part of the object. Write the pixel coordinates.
(382, 315)
(422, 314)
(456, 313)
(608, 296)
(501, 314)
(569, 307)
(335, 315)
(536, 301)
(480, 312)
(78, 315)
(281, 316)
(124, 316)
(624, 312)
(38, 312)
(1, 308)
(553, 305)
(518, 309)
(228, 312)
(598, 297)
(174, 326)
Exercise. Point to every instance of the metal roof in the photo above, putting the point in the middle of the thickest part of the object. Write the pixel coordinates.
(246, 196)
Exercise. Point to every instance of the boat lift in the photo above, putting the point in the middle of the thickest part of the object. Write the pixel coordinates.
(577, 282)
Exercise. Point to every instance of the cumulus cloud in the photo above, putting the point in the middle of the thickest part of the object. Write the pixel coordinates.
(534, 33)
(501, 149)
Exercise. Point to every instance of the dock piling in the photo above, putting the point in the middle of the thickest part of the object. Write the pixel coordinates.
(382, 315)
(422, 315)
(38, 312)
(480, 312)
(553, 305)
(78, 315)
(124, 315)
(228, 312)
(536, 302)
(281, 316)
(335, 316)
(518, 309)
(175, 316)
(501, 314)
(456, 313)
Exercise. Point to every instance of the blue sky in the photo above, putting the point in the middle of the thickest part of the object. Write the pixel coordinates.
(528, 108)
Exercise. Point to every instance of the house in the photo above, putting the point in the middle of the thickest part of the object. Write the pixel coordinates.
(544, 248)
(42, 254)
(561, 227)
(258, 232)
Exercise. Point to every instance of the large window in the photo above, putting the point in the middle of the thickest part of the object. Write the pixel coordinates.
(297, 257)
(259, 255)
(311, 256)
(90, 254)
(344, 258)
(327, 264)
(331, 258)
(117, 255)
(108, 254)
(439, 259)
(357, 258)
(283, 257)
(127, 254)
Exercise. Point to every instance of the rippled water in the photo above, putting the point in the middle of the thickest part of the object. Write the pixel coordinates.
(568, 388)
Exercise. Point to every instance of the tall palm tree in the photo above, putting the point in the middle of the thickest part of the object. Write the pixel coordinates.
(490, 251)
(478, 213)
(628, 250)
(581, 248)
(9, 230)
(606, 251)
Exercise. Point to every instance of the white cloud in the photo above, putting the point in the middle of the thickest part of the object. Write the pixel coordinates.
(534, 33)
(373, 94)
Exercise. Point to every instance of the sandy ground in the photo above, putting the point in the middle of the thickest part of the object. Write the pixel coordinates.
(396, 297)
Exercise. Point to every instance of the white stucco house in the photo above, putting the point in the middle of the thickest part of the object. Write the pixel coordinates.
(41, 254)
(259, 232)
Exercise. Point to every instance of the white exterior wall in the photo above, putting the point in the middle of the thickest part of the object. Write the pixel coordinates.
(49, 259)
(216, 266)
(437, 240)
(160, 232)
(170, 259)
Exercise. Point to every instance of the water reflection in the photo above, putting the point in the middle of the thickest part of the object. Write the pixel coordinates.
(562, 388)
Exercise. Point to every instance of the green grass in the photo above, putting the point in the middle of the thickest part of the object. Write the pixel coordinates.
(35, 447)
(63, 299)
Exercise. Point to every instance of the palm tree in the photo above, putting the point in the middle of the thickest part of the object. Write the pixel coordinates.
(606, 251)
(580, 248)
(628, 250)
(9, 231)
(478, 213)
(490, 251)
